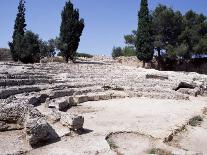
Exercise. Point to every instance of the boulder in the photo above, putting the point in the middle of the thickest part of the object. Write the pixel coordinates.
(192, 92)
(38, 99)
(184, 85)
(14, 113)
(3, 126)
(93, 97)
(61, 104)
(105, 96)
(75, 100)
(38, 130)
(74, 122)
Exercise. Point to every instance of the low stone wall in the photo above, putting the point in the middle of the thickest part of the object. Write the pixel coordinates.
(5, 54)
(198, 65)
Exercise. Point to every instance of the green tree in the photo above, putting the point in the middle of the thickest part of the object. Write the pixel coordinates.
(131, 39)
(129, 51)
(31, 48)
(51, 47)
(43, 46)
(16, 46)
(167, 26)
(117, 52)
(201, 47)
(70, 31)
(195, 28)
(144, 46)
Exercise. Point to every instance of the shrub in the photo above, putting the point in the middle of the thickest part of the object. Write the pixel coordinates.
(117, 52)
(84, 55)
(195, 121)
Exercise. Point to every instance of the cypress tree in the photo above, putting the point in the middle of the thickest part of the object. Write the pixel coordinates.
(70, 31)
(144, 44)
(16, 46)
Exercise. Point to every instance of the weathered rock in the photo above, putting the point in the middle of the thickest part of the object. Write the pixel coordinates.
(5, 93)
(60, 103)
(14, 113)
(61, 93)
(39, 130)
(73, 122)
(75, 100)
(192, 92)
(93, 97)
(184, 85)
(157, 76)
(105, 96)
(38, 99)
(53, 115)
(3, 126)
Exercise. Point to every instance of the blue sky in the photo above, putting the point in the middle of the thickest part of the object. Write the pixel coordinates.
(107, 21)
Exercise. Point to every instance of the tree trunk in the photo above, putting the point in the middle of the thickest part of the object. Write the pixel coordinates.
(143, 65)
(159, 59)
(66, 59)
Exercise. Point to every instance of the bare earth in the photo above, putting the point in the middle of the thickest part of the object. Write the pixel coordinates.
(135, 112)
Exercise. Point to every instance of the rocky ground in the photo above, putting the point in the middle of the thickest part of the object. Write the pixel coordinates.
(98, 107)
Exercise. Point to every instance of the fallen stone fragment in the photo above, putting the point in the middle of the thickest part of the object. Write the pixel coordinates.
(157, 76)
(75, 100)
(184, 85)
(61, 104)
(14, 113)
(38, 99)
(192, 92)
(3, 126)
(38, 130)
(93, 97)
(74, 122)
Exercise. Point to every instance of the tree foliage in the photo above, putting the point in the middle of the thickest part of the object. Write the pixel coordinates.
(144, 44)
(174, 35)
(31, 49)
(47, 48)
(70, 31)
(16, 46)
(167, 26)
(117, 52)
(131, 38)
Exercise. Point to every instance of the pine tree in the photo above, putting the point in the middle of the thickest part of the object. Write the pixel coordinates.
(70, 31)
(144, 44)
(16, 46)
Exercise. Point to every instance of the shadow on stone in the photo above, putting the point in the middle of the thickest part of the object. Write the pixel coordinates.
(82, 131)
(52, 137)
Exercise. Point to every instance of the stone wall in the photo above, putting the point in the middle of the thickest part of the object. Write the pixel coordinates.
(198, 65)
(5, 54)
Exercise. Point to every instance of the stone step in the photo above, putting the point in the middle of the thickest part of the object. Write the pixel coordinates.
(20, 82)
(158, 95)
(7, 92)
(24, 76)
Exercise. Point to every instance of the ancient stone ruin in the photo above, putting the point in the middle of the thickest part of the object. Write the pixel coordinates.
(54, 105)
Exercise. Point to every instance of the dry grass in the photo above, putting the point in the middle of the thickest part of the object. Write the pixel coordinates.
(112, 144)
(159, 151)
